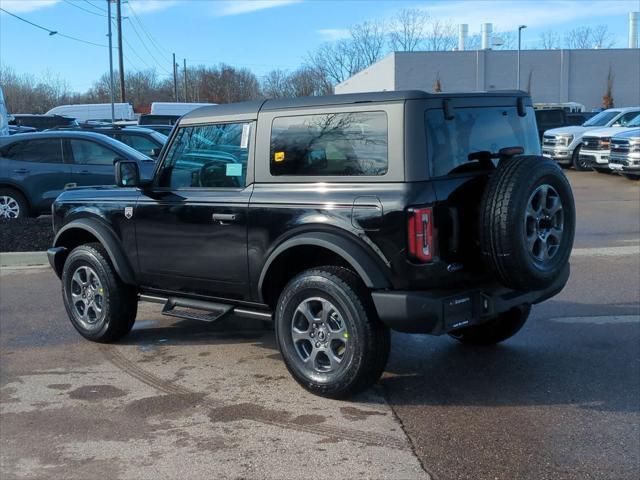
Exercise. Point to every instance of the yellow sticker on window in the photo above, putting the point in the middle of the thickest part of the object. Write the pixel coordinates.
(279, 156)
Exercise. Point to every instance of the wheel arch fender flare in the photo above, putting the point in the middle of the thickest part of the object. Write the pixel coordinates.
(354, 254)
(107, 239)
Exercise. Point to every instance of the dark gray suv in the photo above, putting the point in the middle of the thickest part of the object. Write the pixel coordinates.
(36, 167)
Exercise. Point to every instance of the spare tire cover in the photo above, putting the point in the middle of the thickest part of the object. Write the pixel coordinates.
(527, 222)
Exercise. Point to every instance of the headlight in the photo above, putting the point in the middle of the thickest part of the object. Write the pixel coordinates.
(564, 140)
(634, 147)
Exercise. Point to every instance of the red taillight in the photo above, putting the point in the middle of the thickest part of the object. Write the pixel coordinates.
(420, 234)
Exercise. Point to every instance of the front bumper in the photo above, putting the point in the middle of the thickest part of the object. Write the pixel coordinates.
(559, 154)
(595, 158)
(626, 164)
(440, 311)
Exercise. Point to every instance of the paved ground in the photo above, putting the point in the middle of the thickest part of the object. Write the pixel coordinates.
(188, 400)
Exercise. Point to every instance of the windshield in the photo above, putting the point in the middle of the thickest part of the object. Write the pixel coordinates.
(450, 142)
(159, 137)
(601, 119)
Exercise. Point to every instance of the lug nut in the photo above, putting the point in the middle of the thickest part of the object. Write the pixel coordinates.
(317, 344)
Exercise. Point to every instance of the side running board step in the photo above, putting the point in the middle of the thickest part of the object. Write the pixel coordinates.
(196, 310)
(202, 310)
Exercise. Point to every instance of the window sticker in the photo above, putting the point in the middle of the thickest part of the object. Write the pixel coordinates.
(244, 140)
(234, 169)
(278, 156)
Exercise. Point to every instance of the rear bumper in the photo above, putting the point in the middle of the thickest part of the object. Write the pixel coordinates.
(441, 311)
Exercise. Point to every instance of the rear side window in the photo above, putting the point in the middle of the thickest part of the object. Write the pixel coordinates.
(449, 142)
(337, 144)
(40, 151)
(208, 156)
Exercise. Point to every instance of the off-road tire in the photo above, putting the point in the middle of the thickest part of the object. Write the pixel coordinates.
(577, 164)
(367, 350)
(120, 301)
(504, 326)
(19, 199)
(504, 229)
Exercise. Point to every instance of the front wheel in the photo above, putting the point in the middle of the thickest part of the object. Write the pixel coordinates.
(13, 204)
(100, 306)
(329, 334)
(580, 164)
(631, 176)
(504, 326)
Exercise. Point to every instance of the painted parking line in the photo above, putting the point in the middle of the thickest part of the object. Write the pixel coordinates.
(606, 251)
(599, 320)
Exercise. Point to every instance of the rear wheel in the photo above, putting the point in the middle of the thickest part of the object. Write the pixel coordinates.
(13, 204)
(328, 332)
(581, 165)
(99, 305)
(504, 326)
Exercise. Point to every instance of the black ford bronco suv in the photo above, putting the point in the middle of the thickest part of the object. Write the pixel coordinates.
(337, 217)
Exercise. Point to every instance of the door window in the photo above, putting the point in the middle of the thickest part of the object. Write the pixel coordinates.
(41, 151)
(208, 156)
(138, 142)
(86, 152)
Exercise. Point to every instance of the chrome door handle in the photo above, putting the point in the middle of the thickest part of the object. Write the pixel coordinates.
(21, 170)
(84, 172)
(224, 217)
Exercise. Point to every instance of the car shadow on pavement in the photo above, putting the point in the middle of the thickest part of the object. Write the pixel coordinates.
(593, 366)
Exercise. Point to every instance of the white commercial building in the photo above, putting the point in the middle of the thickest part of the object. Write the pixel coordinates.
(548, 75)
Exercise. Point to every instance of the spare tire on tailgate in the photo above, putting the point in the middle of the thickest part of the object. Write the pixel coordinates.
(527, 222)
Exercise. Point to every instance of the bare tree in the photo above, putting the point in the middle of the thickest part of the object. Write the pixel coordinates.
(368, 41)
(607, 98)
(601, 37)
(408, 29)
(441, 35)
(29, 94)
(437, 87)
(277, 84)
(509, 40)
(550, 40)
(579, 37)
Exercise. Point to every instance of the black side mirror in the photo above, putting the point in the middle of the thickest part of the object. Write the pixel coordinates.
(127, 173)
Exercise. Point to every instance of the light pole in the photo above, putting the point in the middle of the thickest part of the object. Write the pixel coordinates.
(520, 28)
(113, 113)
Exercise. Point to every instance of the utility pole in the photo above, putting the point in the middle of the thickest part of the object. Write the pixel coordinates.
(113, 113)
(175, 79)
(184, 70)
(120, 55)
(520, 28)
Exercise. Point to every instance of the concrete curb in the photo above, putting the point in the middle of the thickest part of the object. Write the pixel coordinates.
(23, 259)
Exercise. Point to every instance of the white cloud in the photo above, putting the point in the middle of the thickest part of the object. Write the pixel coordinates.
(25, 6)
(332, 34)
(508, 15)
(238, 7)
(148, 6)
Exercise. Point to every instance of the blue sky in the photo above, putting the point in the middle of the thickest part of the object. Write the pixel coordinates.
(258, 34)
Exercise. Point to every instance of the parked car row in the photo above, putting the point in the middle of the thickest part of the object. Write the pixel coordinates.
(36, 167)
(587, 147)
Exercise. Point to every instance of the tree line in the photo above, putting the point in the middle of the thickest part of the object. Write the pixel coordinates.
(331, 63)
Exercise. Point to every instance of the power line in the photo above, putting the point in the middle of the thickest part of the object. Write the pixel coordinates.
(69, 2)
(155, 44)
(95, 6)
(53, 32)
(146, 48)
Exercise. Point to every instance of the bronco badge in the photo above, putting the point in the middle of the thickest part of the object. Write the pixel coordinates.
(128, 212)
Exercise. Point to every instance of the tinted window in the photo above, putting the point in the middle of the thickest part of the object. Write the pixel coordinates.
(139, 142)
(86, 152)
(473, 130)
(601, 119)
(42, 151)
(550, 116)
(627, 118)
(331, 144)
(208, 156)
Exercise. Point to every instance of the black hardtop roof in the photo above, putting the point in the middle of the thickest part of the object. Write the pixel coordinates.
(253, 107)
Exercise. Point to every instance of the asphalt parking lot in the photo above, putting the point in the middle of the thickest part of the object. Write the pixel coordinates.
(178, 399)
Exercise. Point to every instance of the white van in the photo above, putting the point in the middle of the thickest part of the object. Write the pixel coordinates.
(175, 108)
(95, 111)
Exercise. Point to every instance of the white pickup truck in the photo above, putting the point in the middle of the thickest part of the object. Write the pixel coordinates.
(563, 144)
(625, 154)
(596, 145)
